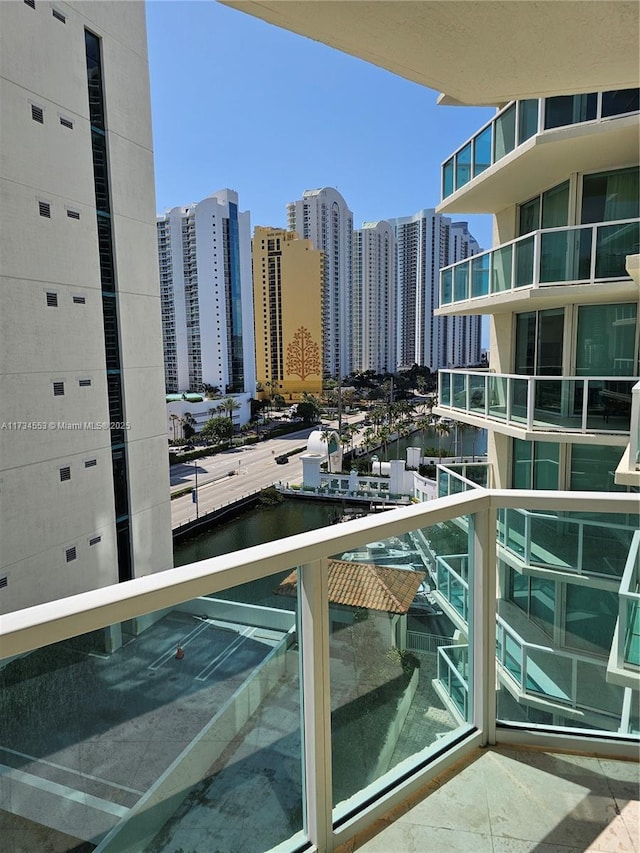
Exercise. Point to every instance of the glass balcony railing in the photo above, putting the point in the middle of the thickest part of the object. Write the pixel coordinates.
(453, 677)
(570, 255)
(452, 582)
(265, 697)
(540, 403)
(634, 449)
(457, 477)
(629, 613)
(563, 678)
(567, 543)
(521, 120)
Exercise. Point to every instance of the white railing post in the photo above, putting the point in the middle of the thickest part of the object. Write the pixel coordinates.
(531, 401)
(580, 554)
(585, 404)
(482, 624)
(316, 707)
(592, 265)
(537, 241)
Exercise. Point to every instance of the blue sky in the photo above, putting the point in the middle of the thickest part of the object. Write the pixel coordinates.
(239, 103)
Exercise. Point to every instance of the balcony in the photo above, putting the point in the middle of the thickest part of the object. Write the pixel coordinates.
(533, 405)
(624, 661)
(241, 699)
(526, 268)
(628, 471)
(487, 173)
(575, 546)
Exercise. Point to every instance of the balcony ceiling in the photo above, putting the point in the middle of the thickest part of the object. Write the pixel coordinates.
(476, 52)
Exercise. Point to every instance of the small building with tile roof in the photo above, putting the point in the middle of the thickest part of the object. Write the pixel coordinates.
(354, 587)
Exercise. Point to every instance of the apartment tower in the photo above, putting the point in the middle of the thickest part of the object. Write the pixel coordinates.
(425, 242)
(287, 293)
(323, 217)
(83, 449)
(374, 298)
(204, 251)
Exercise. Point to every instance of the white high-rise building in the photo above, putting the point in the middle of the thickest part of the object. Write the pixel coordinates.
(374, 298)
(322, 215)
(83, 447)
(426, 242)
(461, 335)
(204, 252)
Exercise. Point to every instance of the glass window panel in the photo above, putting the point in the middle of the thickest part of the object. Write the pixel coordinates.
(525, 343)
(543, 602)
(565, 255)
(501, 269)
(476, 395)
(384, 661)
(521, 473)
(480, 275)
(482, 151)
(613, 244)
(519, 590)
(546, 465)
(529, 216)
(445, 387)
(527, 119)
(504, 133)
(446, 286)
(461, 282)
(607, 196)
(463, 166)
(569, 109)
(498, 397)
(195, 708)
(550, 341)
(524, 250)
(593, 467)
(555, 206)
(620, 102)
(447, 178)
(590, 619)
(606, 340)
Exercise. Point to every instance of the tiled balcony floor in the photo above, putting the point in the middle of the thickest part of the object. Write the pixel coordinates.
(503, 800)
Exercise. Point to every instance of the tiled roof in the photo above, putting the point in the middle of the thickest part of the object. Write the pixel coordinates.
(365, 585)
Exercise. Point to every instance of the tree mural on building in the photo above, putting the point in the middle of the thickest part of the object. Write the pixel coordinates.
(303, 354)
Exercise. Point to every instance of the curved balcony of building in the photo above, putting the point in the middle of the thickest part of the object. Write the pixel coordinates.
(548, 267)
(628, 471)
(562, 408)
(534, 143)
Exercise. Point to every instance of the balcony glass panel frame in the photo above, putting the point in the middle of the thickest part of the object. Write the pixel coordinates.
(573, 254)
(580, 404)
(519, 121)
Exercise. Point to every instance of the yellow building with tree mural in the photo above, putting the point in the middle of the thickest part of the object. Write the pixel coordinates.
(287, 295)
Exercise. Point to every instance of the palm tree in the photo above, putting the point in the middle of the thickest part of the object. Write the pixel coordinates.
(175, 419)
(326, 434)
(228, 404)
(384, 434)
(423, 423)
(369, 441)
(441, 429)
